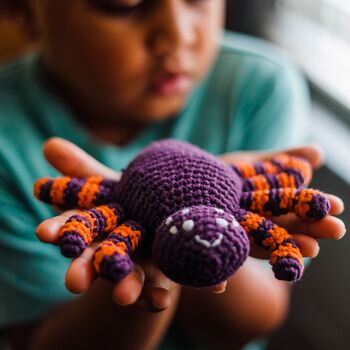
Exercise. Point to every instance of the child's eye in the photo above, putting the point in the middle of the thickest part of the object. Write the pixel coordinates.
(118, 7)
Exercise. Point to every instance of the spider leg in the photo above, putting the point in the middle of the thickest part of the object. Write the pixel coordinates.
(279, 163)
(81, 229)
(307, 203)
(112, 258)
(284, 179)
(285, 258)
(67, 192)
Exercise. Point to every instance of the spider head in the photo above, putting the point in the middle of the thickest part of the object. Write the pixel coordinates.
(200, 246)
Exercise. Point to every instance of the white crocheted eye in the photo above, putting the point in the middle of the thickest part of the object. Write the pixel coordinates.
(185, 211)
(221, 222)
(235, 223)
(188, 225)
(168, 220)
(173, 230)
(220, 211)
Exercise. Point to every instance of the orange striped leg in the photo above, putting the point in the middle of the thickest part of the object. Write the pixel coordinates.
(112, 258)
(274, 166)
(68, 192)
(81, 229)
(284, 179)
(306, 203)
(285, 258)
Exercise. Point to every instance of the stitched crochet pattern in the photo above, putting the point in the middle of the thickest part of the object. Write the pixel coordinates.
(198, 214)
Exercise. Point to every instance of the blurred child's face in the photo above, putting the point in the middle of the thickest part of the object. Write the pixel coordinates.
(137, 58)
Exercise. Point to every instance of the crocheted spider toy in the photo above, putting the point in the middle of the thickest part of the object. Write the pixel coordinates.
(198, 213)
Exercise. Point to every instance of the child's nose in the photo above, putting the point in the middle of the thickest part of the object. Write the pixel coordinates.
(172, 27)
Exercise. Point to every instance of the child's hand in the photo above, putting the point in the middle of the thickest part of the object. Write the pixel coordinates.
(305, 232)
(146, 285)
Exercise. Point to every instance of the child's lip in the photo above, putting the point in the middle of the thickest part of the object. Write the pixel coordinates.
(171, 84)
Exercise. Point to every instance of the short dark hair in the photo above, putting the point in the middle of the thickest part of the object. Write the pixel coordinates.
(8, 7)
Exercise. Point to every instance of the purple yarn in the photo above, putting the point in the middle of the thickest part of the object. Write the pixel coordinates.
(287, 269)
(200, 246)
(167, 177)
(262, 232)
(118, 238)
(116, 267)
(71, 193)
(319, 207)
(273, 204)
(44, 194)
(71, 244)
(99, 222)
(80, 218)
(170, 175)
(106, 192)
(298, 177)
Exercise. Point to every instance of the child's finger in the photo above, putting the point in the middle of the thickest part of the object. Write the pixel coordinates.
(154, 299)
(308, 246)
(81, 273)
(311, 153)
(128, 290)
(48, 230)
(337, 204)
(71, 160)
(156, 295)
(329, 227)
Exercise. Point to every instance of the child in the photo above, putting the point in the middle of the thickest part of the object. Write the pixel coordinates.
(111, 76)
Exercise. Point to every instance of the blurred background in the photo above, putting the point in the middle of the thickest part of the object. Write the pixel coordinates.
(316, 33)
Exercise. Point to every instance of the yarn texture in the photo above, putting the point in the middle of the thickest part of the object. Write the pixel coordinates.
(197, 214)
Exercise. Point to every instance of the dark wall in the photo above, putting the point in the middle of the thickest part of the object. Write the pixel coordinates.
(248, 16)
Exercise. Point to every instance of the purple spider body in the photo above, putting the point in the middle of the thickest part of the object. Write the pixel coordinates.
(185, 197)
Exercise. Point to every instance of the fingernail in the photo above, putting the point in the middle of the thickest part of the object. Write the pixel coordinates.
(139, 276)
(340, 203)
(221, 288)
(342, 231)
(317, 250)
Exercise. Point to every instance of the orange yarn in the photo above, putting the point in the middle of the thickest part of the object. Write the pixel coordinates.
(270, 168)
(79, 228)
(286, 198)
(88, 192)
(107, 248)
(284, 251)
(246, 169)
(251, 222)
(57, 190)
(127, 231)
(38, 185)
(298, 164)
(260, 183)
(111, 219)
(277, 236)
(259, 199)
(303, 197)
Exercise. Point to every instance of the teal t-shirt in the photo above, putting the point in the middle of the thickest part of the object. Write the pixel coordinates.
(252, 99)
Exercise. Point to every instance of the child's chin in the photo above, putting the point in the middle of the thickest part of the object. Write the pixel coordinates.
(161, 109)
